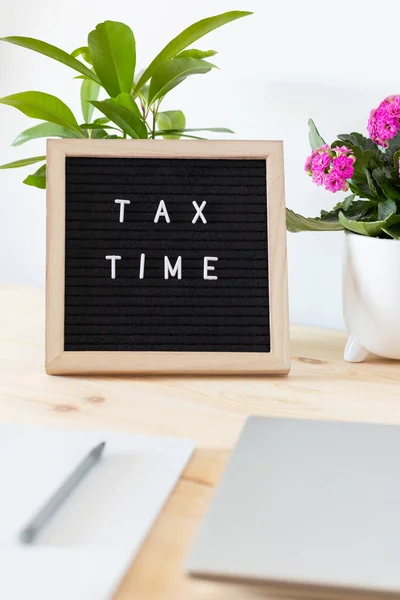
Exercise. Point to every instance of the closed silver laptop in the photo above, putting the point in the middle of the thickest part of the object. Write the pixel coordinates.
(312, 504)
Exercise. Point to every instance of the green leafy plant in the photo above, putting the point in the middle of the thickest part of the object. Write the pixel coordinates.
(367, 167)
(131, 108)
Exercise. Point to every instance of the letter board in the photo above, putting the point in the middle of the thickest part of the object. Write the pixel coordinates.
(166, 256)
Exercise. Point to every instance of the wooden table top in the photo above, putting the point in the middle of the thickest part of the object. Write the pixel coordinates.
(211, 411)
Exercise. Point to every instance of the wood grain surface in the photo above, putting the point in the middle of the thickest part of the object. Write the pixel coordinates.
(211, 410)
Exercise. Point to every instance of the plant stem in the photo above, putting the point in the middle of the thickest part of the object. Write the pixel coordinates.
(154, 110)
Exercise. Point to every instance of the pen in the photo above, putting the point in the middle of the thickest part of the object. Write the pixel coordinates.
(31, 530)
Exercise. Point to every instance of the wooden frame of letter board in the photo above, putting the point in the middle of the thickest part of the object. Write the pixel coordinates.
(59, 361)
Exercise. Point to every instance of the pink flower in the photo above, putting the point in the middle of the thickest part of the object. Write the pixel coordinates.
(307, 165)
(372, 128)
(341, 150)
(343, 166)
(385, 128)
(321, 162)
(393, 109)
(384, 121)
(334, 182)
(331, 167)
(318, 177)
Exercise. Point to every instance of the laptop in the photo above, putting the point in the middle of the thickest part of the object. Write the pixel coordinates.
(308, 507)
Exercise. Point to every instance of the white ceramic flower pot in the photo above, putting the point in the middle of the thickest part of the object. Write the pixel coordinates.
(371, 297)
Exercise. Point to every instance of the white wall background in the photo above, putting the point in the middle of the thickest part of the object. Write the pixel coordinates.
(289, 61)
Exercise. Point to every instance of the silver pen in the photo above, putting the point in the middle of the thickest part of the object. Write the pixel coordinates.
(30, 531)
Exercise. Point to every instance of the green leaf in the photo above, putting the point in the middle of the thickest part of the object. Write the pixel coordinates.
(389, 190)
(363, 191)
(43, 130)
(363, 158)
(296, 223)
(353, 209)
(52, 52)
(372, 186)
(347, 202)
(172, 72)
(191, 137)
(126, 101)
(143, 94)
(124, 118)
(39, 105)
(101, 121)
(316, 141)
(330, 216)
(89, 91)
(396, 161)
(24, 162)
(357, 139)
(386, 209)
(360, 210)
(213, 129)
(37, 179)
(99, 134)
(84, 52)
(185, 38)
(193, 53)
(94, 126)
(393, 232)
(371, 228)
(361, 183)
(393, 148)
(171, 119)
(113, 52)
(168, 132)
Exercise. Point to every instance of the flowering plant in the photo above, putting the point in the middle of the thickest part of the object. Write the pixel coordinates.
(368, 167)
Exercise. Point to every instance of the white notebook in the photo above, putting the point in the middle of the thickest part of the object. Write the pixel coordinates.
(86, 548)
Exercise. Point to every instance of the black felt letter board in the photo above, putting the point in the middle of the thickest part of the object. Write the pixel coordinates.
(138, 309)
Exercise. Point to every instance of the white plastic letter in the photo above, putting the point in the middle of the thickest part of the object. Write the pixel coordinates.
(169, 270)
(199, 211)
(162, 212)
(113, 258)
(207, 267)
(142, 261)
(122, 208)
